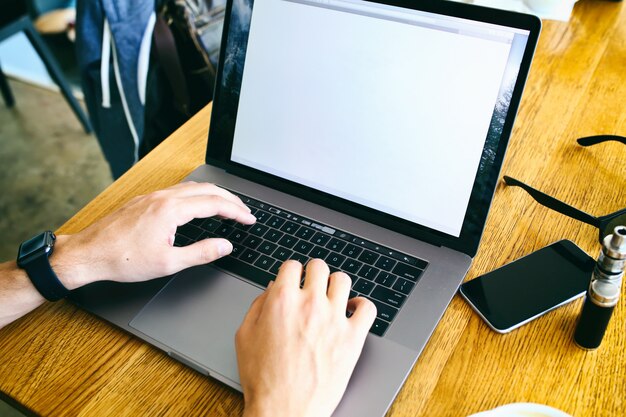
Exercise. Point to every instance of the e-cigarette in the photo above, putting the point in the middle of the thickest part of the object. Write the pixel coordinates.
(604, 291)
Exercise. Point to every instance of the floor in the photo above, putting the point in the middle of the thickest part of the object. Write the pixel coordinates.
(8, 411)
(49, 168)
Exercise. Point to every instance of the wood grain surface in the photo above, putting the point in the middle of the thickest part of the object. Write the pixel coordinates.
(61, 361)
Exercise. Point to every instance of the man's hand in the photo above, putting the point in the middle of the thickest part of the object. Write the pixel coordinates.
(135, 243)
(296, 349)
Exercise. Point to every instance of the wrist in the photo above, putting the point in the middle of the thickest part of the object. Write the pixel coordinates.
(70, 263)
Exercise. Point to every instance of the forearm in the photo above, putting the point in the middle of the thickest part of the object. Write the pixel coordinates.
(18, 296)
(132, 244)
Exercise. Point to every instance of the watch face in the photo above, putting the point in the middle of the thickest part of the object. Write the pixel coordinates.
(39, 244)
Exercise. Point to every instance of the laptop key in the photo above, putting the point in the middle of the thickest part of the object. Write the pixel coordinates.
(244, 227)
(224, 230)
(352, 266)
(252, 242)
(262, 216)
(336, 245)
(282, 254)
(300, 258)
(181, 240)
(303, 247)
(275, 222)
(408, 272)
(198, 222)
(290, 227)
(334, 259)
(363, 286)
(368, 272)
(273, 235)
(190, 231)
(379, 327)
(264, 262)
(305, 233)
(287, 241)
(237, 236)
(352, 251)
(274, 269)
(258, 229)
(385, 263)
(211, 225)
(267, 248)
(249, 256)
(384, 311)
(391, 297)
(404, 286)
(386, 279)
(237, 250)
(368, 257)
(320, 239)
(319, 253)
(410, 260)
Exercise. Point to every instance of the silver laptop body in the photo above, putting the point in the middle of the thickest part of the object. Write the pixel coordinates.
(385, 120)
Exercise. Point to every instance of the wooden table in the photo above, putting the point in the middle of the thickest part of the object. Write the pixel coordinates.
(62, 361)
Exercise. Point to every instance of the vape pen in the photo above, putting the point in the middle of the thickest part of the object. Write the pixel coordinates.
(604, 291)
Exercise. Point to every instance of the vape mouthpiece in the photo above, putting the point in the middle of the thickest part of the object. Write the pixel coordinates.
(619, 239)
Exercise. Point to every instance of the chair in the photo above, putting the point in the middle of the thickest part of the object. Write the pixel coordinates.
(6, 91)
(24, 24)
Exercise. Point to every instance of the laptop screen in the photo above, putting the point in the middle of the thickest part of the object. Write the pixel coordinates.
(394, 109)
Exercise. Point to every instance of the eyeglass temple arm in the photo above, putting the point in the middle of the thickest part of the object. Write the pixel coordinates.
(593, 140)
(553, 203)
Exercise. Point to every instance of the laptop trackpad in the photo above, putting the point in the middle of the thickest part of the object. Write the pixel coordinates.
(197, 314)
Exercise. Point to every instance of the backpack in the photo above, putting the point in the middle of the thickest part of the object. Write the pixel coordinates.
(185, 51)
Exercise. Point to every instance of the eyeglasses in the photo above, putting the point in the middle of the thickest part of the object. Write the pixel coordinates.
(605, 224)
(594, 140)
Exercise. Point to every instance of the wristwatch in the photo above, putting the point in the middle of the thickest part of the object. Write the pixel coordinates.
(33, 258)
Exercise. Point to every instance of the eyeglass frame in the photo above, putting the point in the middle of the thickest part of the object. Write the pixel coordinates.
(602, 223)
(594, 140)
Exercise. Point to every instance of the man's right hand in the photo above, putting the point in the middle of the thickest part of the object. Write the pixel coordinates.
(296, 349)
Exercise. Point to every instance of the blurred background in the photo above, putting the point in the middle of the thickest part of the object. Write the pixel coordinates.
(49, 166)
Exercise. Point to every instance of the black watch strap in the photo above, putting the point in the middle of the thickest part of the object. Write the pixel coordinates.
(45, 280)
(33, 257)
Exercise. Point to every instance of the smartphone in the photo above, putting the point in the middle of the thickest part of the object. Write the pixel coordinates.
(531, 286)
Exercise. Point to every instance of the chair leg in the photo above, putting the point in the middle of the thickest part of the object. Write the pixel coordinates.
(56, 74)
(6, 90)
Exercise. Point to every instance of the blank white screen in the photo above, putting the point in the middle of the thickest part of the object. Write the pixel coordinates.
(389, 115)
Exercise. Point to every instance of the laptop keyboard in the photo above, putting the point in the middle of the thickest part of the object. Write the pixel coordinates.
(383, 275)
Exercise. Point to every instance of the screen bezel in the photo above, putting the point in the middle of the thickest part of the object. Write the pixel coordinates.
(220, 141)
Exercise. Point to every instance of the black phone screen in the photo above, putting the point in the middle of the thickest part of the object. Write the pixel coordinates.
(530, 286)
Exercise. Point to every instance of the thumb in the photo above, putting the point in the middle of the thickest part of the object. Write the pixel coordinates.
(204, 252)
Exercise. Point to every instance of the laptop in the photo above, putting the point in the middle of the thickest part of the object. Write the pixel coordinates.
(367, 133)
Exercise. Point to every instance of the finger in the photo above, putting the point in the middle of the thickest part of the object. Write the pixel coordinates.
(289, 275)
(363, 315)
(316, 277)
(202, 252)
(339, 290)
(192, 189)
(209, 206)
